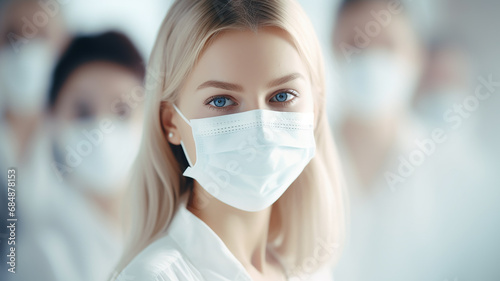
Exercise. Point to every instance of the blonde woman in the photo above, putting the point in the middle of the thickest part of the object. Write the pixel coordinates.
(237, 174)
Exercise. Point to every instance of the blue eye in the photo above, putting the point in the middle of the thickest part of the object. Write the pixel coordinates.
(221, 102)
(283, 97)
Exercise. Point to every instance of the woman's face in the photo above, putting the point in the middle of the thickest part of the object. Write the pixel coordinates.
(241, 71)
(97, 130)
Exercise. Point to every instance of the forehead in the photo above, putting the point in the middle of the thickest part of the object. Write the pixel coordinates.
(100, 76)
(237, 54)
(97, 82)
(16, 11)
(361, 15)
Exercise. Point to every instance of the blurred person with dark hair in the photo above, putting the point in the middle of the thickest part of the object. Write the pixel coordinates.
(72, 223)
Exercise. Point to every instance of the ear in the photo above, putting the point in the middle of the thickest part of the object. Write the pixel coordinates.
(170, 130)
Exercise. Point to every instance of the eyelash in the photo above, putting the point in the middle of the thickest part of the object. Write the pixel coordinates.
(211, 99)
(294, 93)
(225, 108)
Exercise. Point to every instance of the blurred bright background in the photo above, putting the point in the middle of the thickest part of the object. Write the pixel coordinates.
(413, 100)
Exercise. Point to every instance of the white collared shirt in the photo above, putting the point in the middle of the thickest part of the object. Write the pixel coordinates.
(189, 251)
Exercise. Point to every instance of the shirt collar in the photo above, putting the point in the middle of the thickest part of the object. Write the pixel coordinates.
(203, 248)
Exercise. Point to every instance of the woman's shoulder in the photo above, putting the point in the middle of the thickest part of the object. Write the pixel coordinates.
(161, 260)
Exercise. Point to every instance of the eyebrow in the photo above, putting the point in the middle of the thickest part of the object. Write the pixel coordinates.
(238, 88)
(284, 79)
(221, 85)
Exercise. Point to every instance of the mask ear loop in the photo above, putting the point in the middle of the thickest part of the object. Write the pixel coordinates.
(182, 143)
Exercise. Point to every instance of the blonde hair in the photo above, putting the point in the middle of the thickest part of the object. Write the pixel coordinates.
(310, 214)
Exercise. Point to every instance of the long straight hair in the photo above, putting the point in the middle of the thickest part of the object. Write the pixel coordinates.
(308, 224)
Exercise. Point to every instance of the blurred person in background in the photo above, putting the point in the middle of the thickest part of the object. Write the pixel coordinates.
(379, 55)
(447, 79)
(71, 225)
(31, 39)
(439, 221)
(30, 42)
(462, 175)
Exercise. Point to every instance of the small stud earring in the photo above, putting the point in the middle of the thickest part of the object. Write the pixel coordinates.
(170, 135)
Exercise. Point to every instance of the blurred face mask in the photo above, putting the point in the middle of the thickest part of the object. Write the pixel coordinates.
(248, 160)
(376, 81)
(25, 76)
(100, 161)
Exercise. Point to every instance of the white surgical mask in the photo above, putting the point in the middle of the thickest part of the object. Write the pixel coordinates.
(100, 161)
(248, 160)
(376, 81)
(25, 76)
